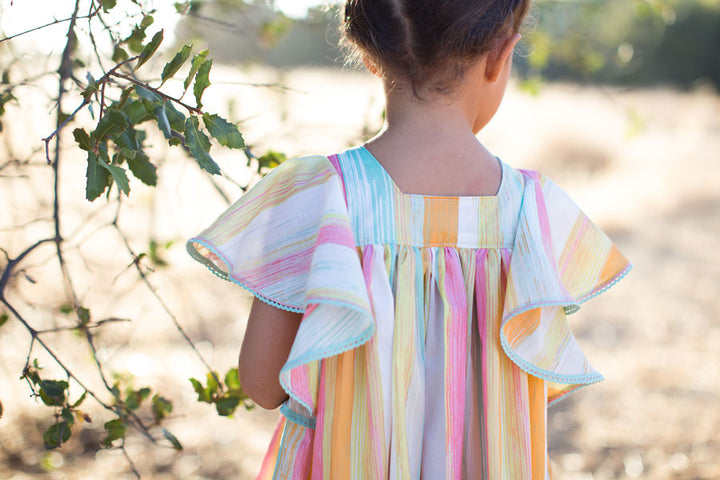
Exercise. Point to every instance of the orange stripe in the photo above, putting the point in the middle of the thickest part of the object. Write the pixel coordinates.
(521, 326)
(613, 265)
(537, 406)
(441, 220)
(342, 416)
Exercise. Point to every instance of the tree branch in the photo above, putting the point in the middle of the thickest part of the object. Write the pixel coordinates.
(12, 263)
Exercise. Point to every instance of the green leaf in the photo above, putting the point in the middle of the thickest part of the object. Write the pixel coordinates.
(143, 169)
(197, 60)
(199, 146)
(91, 89)
(3, 318)
(107, 4)
(118, 175)
(226, 406)
(176, 118)
(115, 429)
(162, 120)
(119, 55)
(155, 256)
(32, 373)
(147, 94)
(5, 97)
(226, 133)
(147, 21)
(202, 394)
(135, 39)
(128, 142)
(212, 384)
(161, 407)
(202, 81)
(173, 439)
(67, 415)
(52, 392)
(97, 177)
(56, 435)
(82, 139)
(84, 316)
(232, 379)
(150, 48)
(172, 67)
(136, 112)
(113, 122)
(135, 397)
(271, 159)
(80, 400)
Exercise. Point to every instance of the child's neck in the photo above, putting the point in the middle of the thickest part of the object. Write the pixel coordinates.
(429, 147)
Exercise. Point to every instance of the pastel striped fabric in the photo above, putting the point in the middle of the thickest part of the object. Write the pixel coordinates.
(434, 333)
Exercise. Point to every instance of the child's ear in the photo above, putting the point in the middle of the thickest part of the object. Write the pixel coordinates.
(499, 55)
(371, 66)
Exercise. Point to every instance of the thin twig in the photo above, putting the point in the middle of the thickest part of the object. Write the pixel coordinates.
(277, 86)
(54, 22)
(155, 91)
(60, 127)
(131, 416)
(129, 460)
(85, 101)
(151, 288)
(12, 263)
(97, 324)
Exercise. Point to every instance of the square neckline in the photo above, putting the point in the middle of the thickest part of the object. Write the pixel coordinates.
(503, 176)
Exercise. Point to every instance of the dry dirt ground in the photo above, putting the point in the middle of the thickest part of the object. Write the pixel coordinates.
(644, 164)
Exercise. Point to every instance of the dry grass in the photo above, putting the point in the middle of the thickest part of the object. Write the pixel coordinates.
(644, 164)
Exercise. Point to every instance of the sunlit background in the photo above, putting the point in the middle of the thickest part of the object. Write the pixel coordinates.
(616, 100)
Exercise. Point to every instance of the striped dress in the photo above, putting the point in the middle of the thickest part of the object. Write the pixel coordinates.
(434, 331)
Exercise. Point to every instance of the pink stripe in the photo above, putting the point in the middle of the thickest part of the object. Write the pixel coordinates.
(296, 263)
(455, 362)
(300, 384)
(577, 240)
(481, 307)
(336, 163)
(373, 423)
(337, 234)
(543, 219)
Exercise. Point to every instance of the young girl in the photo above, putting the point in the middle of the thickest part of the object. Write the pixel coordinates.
(412, 292)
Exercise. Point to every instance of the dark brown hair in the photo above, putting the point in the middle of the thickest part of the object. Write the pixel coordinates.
(429, 43)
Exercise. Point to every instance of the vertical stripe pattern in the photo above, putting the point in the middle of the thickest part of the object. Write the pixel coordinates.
(434, 330)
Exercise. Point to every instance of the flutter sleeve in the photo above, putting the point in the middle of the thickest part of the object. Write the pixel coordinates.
(559, 260)
(288, 241)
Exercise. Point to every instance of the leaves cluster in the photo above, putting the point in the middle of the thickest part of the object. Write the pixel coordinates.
(225, 396)
(117, 142)
(56, 394)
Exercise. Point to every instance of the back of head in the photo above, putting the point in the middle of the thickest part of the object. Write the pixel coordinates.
(428, 44)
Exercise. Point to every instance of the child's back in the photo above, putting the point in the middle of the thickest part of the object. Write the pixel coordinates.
(430, 281)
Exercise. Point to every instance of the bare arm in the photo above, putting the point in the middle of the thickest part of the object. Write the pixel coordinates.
(269, 335)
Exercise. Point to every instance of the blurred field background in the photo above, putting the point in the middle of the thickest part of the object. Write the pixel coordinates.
(621, 110)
